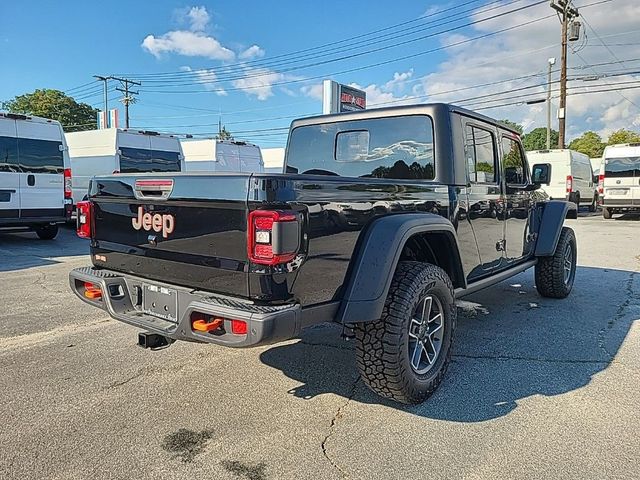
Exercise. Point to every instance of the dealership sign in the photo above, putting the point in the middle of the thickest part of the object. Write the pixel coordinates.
(338, 98)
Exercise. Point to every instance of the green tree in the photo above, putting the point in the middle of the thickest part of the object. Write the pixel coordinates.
(224, 134)
(515, 126)
(54, 104)
(623, 136)
(588, 143)
(536, 139)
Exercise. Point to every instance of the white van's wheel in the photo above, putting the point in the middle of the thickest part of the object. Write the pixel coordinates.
(594, 204)
(47, 232)
(606, 213)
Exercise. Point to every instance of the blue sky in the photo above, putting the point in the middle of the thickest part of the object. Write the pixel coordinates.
(62, 44)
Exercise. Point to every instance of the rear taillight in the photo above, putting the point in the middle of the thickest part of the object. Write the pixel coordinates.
(84, 210)
(273, 236)
(601, 183)
(68, 193)
(569, 184)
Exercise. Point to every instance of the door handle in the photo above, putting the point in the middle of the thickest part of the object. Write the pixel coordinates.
(31, 180)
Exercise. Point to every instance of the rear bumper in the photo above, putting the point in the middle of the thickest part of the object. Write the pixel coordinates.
(619, 203)
(122, 299)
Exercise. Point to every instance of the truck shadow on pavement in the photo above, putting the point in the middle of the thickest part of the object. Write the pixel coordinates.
(510, 344)
(26, 250)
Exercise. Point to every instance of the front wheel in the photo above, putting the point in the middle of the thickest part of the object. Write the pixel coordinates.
(555, 274)
(404, 355)
(47, 232)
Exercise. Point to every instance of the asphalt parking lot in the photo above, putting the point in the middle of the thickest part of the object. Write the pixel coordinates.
(538, 388)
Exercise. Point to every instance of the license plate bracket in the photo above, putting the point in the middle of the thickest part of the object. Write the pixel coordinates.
(160, 302)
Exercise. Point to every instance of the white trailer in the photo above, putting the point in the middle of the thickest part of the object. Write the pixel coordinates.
(211, 155)
(115, 150)
(273, 159)
(35, 188)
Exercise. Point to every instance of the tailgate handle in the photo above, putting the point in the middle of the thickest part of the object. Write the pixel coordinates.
(159, 189)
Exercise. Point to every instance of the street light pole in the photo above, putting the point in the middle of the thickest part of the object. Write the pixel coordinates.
(552, 62)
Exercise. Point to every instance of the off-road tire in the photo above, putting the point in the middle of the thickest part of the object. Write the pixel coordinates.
(382, 347)
(551, 281)
(607, 213)
(47, 232)
(594, 204)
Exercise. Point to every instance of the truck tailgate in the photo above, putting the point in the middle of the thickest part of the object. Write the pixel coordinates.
(188, 230)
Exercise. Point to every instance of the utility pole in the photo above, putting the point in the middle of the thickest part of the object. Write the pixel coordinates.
(106, 98)
(128, 98)
(552, 62)
(566, 12)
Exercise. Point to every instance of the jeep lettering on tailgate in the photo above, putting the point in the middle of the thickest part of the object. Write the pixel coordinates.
(158, 222)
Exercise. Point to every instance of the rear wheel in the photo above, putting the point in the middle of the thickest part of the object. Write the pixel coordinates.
(47, 232)
(555, 274)
(594, 204)
(404, 355)
(607, 213)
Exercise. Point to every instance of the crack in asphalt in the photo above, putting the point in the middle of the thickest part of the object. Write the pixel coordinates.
(328, 345)
(531, 359)
(337, 416)
(620, 313)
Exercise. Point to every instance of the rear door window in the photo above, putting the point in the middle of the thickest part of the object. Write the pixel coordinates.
(515, 171)
(140, 160)
(392, 147)
(481, 156)
(40, 156)
(622, 167)
(9, 154)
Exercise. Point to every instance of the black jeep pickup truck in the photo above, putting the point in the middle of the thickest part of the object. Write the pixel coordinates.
(383, 218)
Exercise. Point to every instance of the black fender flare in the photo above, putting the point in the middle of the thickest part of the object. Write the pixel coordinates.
(552, 219)
(377, 254)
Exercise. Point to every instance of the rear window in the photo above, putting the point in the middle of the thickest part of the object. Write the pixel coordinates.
(138, 160)
(393, 147)
(622, 167)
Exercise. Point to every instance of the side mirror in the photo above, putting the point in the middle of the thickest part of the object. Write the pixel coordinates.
(541, 173)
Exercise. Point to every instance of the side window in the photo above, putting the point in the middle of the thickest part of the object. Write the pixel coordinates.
(480, 150)
(9, 154)
(40, 156)
(515, 172)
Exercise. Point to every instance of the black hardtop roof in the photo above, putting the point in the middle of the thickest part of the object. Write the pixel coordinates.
(416, 109)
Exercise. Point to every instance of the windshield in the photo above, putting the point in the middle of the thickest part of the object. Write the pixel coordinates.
(622, 167)
(138, 160)
(392, 147)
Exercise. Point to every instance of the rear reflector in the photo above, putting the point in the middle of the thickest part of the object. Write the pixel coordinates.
(239, 327)
(569, 184)
(601, 183)
(84, 211)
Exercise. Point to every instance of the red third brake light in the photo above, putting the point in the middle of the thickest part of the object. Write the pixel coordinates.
(84, 210)
(273, 236)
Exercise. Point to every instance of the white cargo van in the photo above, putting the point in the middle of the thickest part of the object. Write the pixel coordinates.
(619, 179)
(571, 176)
(115, 150)
(35, 183)
(211, 155)
(273, 159)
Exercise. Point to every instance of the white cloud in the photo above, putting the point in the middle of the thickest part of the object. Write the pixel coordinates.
(259, 82)
(207, 78)
(524, 51)
(314, 91)
(199, 18)
(254, 51)
(190, 44)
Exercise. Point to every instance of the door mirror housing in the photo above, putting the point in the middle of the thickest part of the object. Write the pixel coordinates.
(541, 173)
